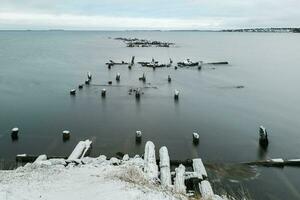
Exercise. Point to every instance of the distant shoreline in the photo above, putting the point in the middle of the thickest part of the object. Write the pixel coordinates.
(246, 30)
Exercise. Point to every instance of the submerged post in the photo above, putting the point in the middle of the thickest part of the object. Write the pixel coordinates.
(138, 136)
(103, 92)
(176, 94)
(263, 136)
(196, 138)
(14, 133)
(169, 78)
(72, 92)
(118, 77)
(66, 135)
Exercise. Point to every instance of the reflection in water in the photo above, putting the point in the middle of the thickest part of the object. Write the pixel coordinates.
(262, 152)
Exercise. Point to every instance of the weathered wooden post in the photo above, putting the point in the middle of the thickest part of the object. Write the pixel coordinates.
(169, 78)
(150, 167)
(14, 133)
(196, 138)
(137, 93)
(263, 136)
(179, 180)
(164, 164)
(87, 82)
(103, 92)
(89, 75)
(118, 77)
(80, 86)
(109, 82)
(138, 136)
(66, 135)
(176, 94)
(73, 92)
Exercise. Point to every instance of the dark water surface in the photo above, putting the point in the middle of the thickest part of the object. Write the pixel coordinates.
(38, 68)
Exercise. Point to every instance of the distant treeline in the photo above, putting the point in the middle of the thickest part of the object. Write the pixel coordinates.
(287, 30)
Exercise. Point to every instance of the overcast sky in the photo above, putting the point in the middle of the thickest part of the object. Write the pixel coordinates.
(148, 14)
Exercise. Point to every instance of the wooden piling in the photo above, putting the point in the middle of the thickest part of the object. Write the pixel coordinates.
(179, 185)
(164, 164)
(150, 167)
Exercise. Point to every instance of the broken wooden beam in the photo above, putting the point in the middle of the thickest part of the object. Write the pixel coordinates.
(80, 150)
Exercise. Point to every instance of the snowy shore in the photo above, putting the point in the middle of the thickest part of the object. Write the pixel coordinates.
(96, 178)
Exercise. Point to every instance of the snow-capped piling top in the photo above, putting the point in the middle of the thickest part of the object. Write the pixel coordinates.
(15, 130)
(138, 133)
(73, 92)
(176, 94)
(103, 90)
(196, 135)
(263, 133)
(66, 132)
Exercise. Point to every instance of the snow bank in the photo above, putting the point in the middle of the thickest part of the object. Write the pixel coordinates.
(96, 178)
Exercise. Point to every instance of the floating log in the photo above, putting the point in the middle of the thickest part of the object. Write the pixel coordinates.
(206, 190)
(103, 92)
(150, 168)
(72, 92)
(66, 134)
(80, 150)
(164, 164)
(179, 180)
(276, 162)
(176, 94)
(138, 136)
(80, 86)
(199, 168)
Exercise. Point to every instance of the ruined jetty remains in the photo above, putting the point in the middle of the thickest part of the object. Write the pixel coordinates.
(135, 42)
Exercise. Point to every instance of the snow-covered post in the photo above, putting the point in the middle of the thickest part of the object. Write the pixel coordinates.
(179, 180)
(164, 164)
(199, 168)
(72, 92)
(103, 92)
(206, 190)
(89, 76)
(80, 150)
(150, 168)
(138, 136)
(176, 94)
(66, 134)
(196, 138)
(118, 77)
(263, 136)
(14, 132)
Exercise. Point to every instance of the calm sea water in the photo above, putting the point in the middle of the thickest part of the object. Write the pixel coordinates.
(38, 68)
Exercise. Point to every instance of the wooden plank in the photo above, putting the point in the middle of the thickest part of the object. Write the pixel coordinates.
(165, 175)
(179, 180)
(150, 168)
